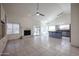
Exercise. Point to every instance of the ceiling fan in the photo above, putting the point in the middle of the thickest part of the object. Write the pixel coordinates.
(37, 11)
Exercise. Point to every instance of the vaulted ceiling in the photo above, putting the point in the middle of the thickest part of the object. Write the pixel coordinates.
(19, 11)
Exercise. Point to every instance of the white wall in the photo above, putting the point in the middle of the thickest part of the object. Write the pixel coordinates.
(75, 25)
(23, 15)
(27, 24)
(62, 19)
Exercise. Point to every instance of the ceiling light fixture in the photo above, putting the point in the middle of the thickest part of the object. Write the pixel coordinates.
(37, 14)
(37, 11)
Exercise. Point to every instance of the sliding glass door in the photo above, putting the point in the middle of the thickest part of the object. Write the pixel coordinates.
(36, 30)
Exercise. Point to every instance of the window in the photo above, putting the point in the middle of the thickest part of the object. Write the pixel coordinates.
(12, 28)
(15, 28)
(64, 27)
(9, 28)
(52, 28)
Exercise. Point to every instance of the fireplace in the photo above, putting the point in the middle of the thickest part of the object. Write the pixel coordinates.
(27, 32)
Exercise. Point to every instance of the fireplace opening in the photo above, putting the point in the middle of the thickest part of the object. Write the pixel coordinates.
(27, 32)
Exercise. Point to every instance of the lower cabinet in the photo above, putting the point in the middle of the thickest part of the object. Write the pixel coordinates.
(59, 33)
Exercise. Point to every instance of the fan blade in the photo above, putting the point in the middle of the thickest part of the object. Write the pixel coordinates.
(42, 14)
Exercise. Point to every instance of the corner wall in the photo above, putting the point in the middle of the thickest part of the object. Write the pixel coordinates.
(0, 23)
(75, 24)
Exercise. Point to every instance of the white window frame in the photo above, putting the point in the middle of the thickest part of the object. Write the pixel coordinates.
(52, 29)
(12, 31)
(64, 27)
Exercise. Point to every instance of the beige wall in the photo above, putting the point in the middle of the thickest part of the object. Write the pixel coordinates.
(2, 13)
(3, 41)
(2, 18)
(75, 24)
(10, 21)
(0, 30)
(0, 23)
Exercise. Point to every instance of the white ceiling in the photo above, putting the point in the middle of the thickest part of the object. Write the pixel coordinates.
(19, 11)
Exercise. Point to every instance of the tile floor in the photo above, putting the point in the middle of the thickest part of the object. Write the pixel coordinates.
(40, 46)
